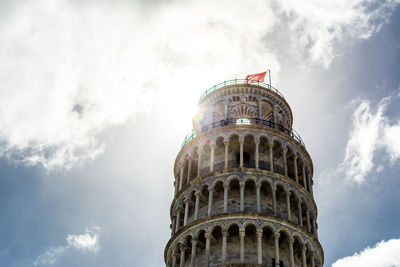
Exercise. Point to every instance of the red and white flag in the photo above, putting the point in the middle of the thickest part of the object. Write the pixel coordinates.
(252, 78)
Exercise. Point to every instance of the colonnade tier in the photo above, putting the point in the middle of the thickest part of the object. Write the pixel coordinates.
(239, 192)
(248, 147)
(246, 101)
(231, 239)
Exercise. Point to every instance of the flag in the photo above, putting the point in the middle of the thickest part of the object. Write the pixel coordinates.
(252, 78)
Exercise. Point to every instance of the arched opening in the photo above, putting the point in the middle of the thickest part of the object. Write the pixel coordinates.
(218, 195)
(192, 199)
(234, 149)
(297, 252)
(266, 198)
(201, 248)
(281, 202)
(233, 244)
(294, 207)
(250, 244)
(219, 155)
(203, 202)
(250, 200)
(216, 245)
(234, 196)
(249, 147)
(268, 246)
(290, 164)
(284, 249)
(264, 163)
(205, 161)
(278, 158)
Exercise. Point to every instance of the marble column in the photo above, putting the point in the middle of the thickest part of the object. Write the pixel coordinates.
(259, 247)
(308, 220)
(288, 206)
(304, 177)
(271, 157)
(199, 152)
(185, 219)
(258, 186)
(182, 264)
(212, 158)
(193, 257)
(224, 239)
(291, 254)
(196, 209)
(285, 170)
(241, 153)
(241, 197)
(208, 240)
(303, 255)
(296, 173)
(173, 259)
(276, 248)
(181, 178)
(274, 199)
(242, 234)
(226, 188)
(226, 144)
(178, 218)
(257, 155)
(210, 200)
(189, 171)
(300, 212)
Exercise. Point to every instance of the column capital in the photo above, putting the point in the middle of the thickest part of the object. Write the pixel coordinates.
(226, 143)
(207, 235)
(277, 235)
(259, 232)
(225, 232)
(226, 186)
(241, 184)
(300, 201)
(284, 151)
(271, 145)
(304, 248)
(273, 188)
(182, 248)
(194, 241)
(258, 185)
(242, 233)
(211, 189)
(186, 201)
(291, 240)
(212, 146)
(288, 193)
(241, 141)
(257, 142)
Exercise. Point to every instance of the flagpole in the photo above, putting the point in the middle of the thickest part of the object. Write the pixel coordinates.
(269, 74)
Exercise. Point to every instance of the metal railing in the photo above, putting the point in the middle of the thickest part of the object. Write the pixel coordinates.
(239, 81)
(191, 135)
(292, 133)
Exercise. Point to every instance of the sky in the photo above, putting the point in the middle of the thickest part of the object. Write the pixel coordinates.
(97, 96)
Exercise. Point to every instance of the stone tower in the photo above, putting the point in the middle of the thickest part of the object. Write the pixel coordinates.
(243, 185)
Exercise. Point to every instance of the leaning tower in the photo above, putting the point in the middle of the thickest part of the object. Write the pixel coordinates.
(243, 185)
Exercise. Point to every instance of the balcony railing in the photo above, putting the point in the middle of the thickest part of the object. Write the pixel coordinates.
(292, 133)
(239, 81)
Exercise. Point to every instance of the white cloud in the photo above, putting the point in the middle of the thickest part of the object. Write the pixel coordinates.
(383, 254)
(371, 131)
(72, 70)
(87, 242)
(319, 26)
